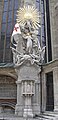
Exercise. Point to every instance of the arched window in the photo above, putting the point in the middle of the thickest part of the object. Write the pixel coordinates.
(8, 20)
(40, 7)
(48, 32)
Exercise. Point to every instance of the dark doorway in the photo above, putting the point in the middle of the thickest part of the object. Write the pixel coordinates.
(49, 92)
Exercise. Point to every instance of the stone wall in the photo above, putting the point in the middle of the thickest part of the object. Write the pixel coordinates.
(53, 5)
(7, 88)
(1, 9)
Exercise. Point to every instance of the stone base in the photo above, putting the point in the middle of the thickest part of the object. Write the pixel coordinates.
(36, 109)
(19, 110)
(24, 112)
(46, 116)
(27, 113)
(55, 109)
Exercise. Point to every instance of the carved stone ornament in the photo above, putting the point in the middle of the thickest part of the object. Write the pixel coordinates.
(25, 43)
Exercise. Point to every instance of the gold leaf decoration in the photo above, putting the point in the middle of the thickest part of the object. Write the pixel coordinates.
(28, 13)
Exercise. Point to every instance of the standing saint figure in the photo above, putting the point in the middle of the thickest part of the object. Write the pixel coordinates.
(29, 42)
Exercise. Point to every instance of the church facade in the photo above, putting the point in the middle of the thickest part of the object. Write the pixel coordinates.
(48, 36)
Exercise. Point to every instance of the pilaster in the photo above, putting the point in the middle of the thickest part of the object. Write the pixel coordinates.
(55, 79)
(53, 8)
(1, 109)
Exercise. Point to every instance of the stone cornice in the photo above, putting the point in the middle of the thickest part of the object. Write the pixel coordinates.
(8, 72)
(50, 66)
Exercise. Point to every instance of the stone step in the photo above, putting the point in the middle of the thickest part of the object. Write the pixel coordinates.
(53, 114)
(44, 116)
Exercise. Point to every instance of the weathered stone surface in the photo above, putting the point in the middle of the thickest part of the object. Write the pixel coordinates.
(53, 5)
(55, 78)
(28, 72)
(8, 86)
(1, 10)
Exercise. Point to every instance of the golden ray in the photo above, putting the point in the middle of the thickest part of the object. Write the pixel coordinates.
(28, 13)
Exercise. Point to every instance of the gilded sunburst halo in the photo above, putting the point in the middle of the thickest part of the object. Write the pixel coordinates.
(27, 13)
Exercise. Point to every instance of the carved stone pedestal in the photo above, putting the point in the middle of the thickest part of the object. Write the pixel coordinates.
(27, 55)
(28, 90)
